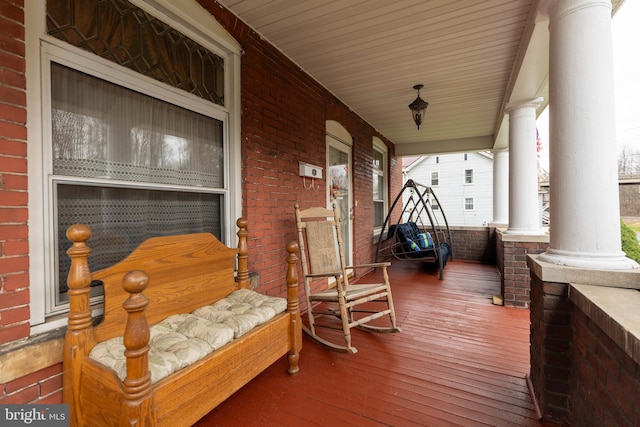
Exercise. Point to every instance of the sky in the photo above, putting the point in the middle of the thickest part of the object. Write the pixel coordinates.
(626, 67)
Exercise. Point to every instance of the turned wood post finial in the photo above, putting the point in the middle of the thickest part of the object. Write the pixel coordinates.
(292, 277)
(134, 282)
(79, 335)
(79, 233)
(242, 223)
(293, 307)
(137, 384)
(243, 253)
(79, 278)
(79, 274)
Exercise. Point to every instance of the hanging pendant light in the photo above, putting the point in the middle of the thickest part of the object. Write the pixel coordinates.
(418, 107)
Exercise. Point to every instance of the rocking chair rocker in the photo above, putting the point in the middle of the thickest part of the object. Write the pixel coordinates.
(322, 256)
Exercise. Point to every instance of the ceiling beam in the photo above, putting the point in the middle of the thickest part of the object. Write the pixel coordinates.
(460, 145)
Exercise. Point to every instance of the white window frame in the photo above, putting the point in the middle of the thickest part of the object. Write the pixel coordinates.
(435, 176)
(473, 203)
(380, 146)
(187, 17)
(472, 176)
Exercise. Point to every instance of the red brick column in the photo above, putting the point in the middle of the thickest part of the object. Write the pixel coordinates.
(551, 315)
(512, 251)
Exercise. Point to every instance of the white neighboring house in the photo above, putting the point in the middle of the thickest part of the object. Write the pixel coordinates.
(462, 182)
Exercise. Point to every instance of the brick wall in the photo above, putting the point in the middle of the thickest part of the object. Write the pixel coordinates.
(474, 244)
(42, 386)
(511, 254)
(551, 314)
(582, 377)
(14, 248)
(605, 381)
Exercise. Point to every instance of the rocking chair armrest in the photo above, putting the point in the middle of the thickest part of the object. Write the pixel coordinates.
(328, 274)
(374, 265)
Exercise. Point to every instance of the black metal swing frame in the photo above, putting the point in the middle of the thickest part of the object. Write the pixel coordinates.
(406, 239)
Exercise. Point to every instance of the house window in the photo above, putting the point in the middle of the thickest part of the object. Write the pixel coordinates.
(435, 180)
(433, 202)
(130, 166)
(465, 157)
(468, 176)
(127, 155)
(379, 173)
(469, 204)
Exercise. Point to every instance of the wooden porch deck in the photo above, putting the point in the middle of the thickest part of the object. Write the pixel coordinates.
(459, 361)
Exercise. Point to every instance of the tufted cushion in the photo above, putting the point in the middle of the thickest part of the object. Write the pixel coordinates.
(182, 339)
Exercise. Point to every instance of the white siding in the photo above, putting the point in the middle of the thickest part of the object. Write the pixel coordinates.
(452, 190)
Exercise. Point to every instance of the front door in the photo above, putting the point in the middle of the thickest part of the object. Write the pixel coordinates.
(340, 189)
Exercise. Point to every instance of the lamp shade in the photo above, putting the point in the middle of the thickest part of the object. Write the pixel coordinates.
(418, 107)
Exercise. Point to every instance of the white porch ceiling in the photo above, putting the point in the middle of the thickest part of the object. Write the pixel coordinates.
(474, 57)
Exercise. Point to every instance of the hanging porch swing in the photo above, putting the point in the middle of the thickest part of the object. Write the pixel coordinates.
(418, 231)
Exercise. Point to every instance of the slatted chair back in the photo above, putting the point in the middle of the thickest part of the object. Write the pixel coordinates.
(320, 244)
(322, 247)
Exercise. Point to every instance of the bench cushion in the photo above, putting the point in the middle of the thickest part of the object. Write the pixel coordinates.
(182, 339)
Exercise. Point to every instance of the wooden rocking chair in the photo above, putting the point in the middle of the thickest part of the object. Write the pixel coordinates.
(322, 256)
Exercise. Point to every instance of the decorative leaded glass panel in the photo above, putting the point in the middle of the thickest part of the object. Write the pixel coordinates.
(127, 35)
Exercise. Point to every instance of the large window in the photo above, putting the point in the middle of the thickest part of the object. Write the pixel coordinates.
(379, 169)
(134, 152)
(130, 166)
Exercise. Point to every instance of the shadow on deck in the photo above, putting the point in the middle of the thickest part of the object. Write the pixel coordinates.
(459, 361)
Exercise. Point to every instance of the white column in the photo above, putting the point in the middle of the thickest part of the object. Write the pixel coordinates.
(501, 187)
(584, 201)
(524, 214)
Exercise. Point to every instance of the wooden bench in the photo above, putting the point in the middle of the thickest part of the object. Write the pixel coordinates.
(166, 276)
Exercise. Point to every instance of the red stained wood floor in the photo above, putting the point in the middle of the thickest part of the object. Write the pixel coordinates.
(459, 361)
